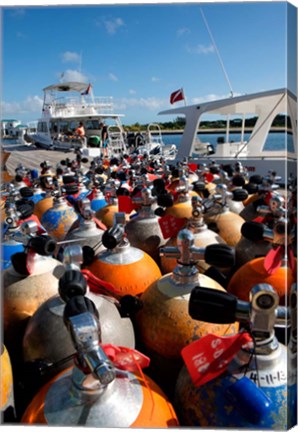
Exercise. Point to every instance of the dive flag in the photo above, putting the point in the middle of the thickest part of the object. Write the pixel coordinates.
(87, 91)
(177, 96)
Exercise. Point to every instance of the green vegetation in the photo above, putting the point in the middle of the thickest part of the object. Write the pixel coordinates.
(178, 124)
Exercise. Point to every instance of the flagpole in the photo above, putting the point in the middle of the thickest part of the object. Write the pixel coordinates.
(184, 98)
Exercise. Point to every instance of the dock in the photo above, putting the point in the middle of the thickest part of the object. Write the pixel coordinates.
(31, 157)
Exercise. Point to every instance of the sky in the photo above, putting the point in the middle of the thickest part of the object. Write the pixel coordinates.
(140, 53)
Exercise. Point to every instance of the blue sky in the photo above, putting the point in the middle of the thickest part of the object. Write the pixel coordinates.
(141, 53)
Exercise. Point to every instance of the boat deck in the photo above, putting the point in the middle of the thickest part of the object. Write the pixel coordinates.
(31, 157)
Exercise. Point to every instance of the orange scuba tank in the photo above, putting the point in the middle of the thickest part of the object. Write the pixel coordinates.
(6, 381)
(277, 268)
(163, 323)
(219, 218)
(202, 237)
(130, 270)
(252, 245)
(93, 393)
(107, 212)
(182, 202)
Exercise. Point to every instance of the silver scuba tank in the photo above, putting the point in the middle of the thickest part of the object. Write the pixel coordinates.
(95, 392)
(47, 339)
(143, 230)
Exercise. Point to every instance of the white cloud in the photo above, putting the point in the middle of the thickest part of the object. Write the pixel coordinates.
(69, 56)
(33, 104)
(183, 31)
(113, 77)
(132, 91)
(150, 103)
(112, 25)
(200, 49)
(74, 75)
(155, 79)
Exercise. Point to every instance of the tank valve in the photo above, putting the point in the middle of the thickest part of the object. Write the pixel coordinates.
(259, 314)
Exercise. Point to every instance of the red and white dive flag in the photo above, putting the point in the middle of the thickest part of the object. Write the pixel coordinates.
(87, 91)
(177, 96)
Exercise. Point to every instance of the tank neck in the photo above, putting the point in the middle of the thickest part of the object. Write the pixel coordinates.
(185, 274)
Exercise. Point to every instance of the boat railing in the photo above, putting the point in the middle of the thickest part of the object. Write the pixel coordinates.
(76, 106)
(153, 136)
(116, 142)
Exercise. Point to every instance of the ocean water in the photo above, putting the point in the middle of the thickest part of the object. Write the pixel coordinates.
(275, 140)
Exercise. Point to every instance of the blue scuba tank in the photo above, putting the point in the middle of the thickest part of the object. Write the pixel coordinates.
(255, 391)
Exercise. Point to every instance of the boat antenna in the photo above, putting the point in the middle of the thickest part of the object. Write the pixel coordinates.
(217, 52)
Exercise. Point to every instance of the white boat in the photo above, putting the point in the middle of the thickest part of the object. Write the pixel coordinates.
(251, 152)
(67, 104)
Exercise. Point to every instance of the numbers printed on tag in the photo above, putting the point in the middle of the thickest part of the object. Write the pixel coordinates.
(210, 356)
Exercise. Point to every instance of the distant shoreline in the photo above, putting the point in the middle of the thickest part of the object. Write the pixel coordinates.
(274, 129)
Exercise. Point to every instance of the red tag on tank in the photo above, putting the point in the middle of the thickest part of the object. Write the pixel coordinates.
(209, 177)
(99, 224)
(171, 225)
(126, 358)
(210, 356)
(125, 204)
(192, 166)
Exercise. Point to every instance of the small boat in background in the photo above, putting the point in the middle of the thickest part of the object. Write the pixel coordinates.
(152, 143)
(12, 129)
(251, 152)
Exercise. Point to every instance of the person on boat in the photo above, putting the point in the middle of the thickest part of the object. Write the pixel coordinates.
(80, 133)
(104, 139)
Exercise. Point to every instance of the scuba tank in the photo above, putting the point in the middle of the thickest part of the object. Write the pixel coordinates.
(202, 237)
(34, 193)
(58, 219)
(96, 197)
(219, 218)
(163, 323)
(86, 230)
(130, 270)
(11, 240)
(32, 279)
(95, 392)
(143, 230)
(261, 189)
(241, 382)
(6, 393)
(47, 202)
(182, 204)
(250, 247)
(237, 182)
(9, 196)
(47, 348)
(277, 268)
(106, 213)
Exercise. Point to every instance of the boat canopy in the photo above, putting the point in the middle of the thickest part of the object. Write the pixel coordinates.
(67, 86)
(266, 105)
